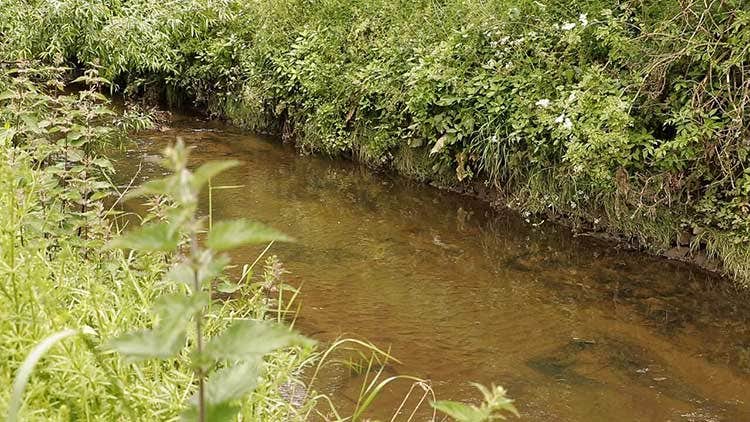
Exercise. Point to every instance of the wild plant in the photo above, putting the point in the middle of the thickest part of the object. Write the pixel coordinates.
(227, 365)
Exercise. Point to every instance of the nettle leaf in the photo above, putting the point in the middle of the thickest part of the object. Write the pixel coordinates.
(223, 387)
(230, 234)
(459, 411)
(233, 382)
(168, 337)
(158, 187)
(152, 237)
(209, 170)
(246, 339)
(183, 272)
(218, 413)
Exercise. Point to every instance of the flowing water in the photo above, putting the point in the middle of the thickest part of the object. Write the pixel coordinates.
(575, 329)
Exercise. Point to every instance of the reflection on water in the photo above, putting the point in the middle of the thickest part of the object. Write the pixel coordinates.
(575, 329)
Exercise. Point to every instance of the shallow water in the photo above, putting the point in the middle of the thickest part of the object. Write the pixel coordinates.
(575, 329)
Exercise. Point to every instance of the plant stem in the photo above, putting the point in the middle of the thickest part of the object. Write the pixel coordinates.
(199, 373)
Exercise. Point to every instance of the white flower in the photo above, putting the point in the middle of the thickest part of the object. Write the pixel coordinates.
(544, 103)
(583, 19)
(560, 118)
(572, 97)
(567, 124)
(567, 26)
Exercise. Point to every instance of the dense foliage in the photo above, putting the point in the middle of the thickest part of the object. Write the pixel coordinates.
(57, 276)
(626, 116)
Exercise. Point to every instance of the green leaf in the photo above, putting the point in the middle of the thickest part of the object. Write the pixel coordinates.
(168, 337)
(209, 170)
(233, 382)
(158, 187)
(183, 272)
(219, 413)
(459, 411)
(246, 339)
(152, 237)
(230, 234)
(24, 372)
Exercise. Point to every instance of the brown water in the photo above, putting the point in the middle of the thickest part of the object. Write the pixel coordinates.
(575, 329)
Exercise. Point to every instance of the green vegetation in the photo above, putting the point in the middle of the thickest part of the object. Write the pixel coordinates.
(69, 303)
(59, 278)
(627, 117)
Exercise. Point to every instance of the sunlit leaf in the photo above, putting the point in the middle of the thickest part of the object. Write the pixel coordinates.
(217, 413)
(152, 237)
(168, 337)
(183, 272)
(245, 340)
(459, 411)
(233, 382)
(209, 170)
(230, 234)
(158, 187)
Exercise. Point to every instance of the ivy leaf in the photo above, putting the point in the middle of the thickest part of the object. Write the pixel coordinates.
(168, 337)
(230, 234)
(245, 340)
(152, 237)
(208, 170)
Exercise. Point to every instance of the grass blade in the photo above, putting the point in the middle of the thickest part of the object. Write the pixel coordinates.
(24, 372)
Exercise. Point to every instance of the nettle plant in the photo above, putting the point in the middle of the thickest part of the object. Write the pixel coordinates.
(227, 365)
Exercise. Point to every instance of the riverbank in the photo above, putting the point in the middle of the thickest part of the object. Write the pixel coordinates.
(60, 210)
(608, 116)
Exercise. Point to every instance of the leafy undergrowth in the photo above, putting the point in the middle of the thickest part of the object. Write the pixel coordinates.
(628, 117)
(70, 343)
(57, 273)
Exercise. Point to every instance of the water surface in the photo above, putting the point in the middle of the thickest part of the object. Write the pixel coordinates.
(576, 329)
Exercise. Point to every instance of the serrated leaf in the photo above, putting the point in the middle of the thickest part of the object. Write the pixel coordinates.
(209, 170)
(228, 288)
(156, 187)
(459, 411)
(245, 340)
(218, 413)
(183, 272)
(152, 237)
(168, 337)
(230, 234)
(233, 382)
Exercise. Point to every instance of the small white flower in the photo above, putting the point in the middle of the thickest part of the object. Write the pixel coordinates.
(583, 19)
(560, 118)
(572, 97)
(567, 124)
(493, 139)
(573, 205)
(567, 26)
(544, 103)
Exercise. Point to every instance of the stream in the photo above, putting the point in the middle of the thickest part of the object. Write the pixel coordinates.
(576, 329)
